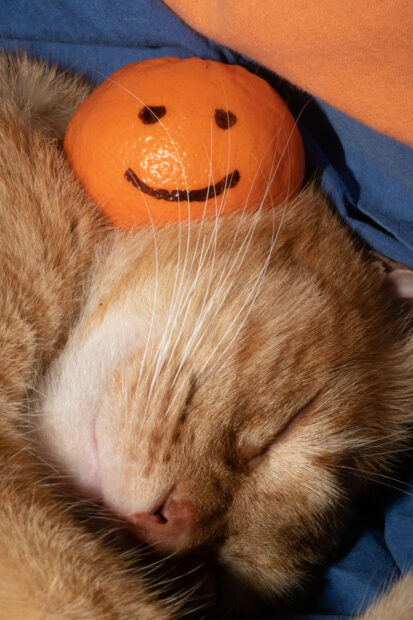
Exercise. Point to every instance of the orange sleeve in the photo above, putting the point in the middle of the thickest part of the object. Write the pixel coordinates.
(356, 55)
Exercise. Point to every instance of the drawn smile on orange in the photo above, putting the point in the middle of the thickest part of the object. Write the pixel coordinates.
(178, 195)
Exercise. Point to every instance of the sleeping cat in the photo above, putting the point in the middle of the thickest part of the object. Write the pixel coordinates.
(230, 385)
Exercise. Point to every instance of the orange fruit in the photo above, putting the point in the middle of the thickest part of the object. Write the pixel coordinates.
(166, 139)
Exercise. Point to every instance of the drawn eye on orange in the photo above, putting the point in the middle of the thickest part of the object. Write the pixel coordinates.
(224, 120)
(149, 143)
(151, 114)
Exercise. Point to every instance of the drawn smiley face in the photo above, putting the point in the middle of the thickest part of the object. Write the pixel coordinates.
(224, 119)
(168, 139)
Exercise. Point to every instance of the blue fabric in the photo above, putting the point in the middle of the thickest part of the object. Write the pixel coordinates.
(371, 183)
(98, 36)
(368, 176)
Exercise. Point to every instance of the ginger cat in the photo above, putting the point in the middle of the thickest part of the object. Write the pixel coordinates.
(222, 386)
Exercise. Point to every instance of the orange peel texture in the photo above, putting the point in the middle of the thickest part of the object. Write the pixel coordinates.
(166, 139)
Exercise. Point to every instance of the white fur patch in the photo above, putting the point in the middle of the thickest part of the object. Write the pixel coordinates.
(79, 380)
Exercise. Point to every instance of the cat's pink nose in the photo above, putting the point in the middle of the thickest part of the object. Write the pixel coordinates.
(170, 526)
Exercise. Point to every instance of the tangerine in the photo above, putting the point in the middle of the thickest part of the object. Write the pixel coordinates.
(166, 139)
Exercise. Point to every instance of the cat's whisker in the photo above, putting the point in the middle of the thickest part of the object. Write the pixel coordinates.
(38, 391)
(188, 308)
(252, 295)
(242, 214)
(168, 329)
(373, 441)
(200, 260)
(217, 214)
(389, 579)
(155, 299)
(191, 286)
(246, 241)
(169, 580)
(379, 478)
(224, 196)
(407, 449)
(224, 277)
(176, 151)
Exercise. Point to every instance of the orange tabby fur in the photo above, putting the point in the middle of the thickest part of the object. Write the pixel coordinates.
(295, 394)
(49, 566)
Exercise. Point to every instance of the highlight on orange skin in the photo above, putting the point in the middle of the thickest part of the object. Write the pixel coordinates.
(166, 139)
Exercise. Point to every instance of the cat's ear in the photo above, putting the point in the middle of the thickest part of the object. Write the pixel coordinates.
(400, 283)
(397, 278)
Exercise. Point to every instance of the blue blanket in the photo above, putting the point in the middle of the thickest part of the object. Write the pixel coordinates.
(368, 175)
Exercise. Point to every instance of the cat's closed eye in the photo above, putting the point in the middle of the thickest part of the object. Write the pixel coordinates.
(253, 449)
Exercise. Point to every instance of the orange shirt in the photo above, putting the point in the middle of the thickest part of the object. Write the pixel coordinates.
(356, 55)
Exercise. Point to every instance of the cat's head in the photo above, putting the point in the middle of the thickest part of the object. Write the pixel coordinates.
(232, 385)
